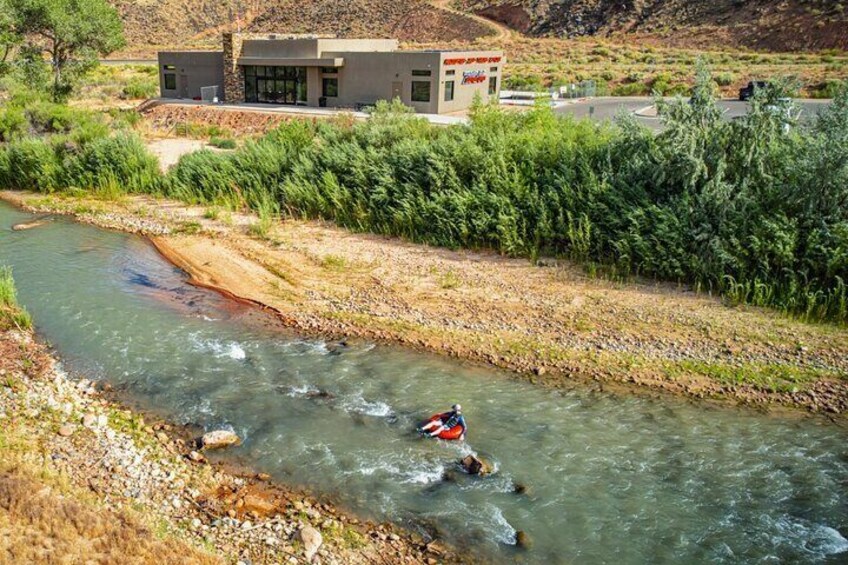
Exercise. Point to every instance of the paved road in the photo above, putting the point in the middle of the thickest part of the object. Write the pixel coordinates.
(608, 107)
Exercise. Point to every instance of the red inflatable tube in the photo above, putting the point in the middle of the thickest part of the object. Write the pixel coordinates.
(451, 434)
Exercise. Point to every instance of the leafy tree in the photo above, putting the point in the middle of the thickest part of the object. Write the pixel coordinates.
(73, 33)
(9, 36)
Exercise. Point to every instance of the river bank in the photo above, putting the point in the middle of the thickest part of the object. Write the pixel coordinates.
(68, 450)
(549, 323)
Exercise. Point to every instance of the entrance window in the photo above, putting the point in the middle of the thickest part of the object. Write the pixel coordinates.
(493, 86)
(331, 87)
(329, 70)
(420, 91)
(449, 90)
(421, 73)
(170, 81)
(275, 85)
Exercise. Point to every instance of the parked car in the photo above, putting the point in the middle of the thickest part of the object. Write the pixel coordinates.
(747, 93)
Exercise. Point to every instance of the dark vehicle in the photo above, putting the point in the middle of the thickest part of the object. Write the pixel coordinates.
(747, 93)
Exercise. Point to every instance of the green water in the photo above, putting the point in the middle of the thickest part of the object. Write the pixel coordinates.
(613, 479)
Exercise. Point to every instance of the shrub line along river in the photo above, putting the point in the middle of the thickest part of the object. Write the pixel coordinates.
(609, 478)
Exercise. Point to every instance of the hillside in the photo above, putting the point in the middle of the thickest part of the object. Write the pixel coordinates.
(198, 22)
(777, 25)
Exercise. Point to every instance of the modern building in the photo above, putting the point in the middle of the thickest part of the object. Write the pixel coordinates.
(324, 71)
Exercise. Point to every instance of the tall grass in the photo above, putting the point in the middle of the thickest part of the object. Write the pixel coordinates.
(11, 313)
(754, 209)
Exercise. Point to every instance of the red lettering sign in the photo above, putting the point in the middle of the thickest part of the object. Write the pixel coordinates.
(472, 60)
(473, 77)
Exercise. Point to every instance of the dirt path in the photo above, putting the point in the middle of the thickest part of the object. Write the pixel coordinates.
(550, 323)
(502, 32)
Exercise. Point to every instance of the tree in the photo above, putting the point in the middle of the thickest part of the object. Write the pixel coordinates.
(74, 33)
(9, 36)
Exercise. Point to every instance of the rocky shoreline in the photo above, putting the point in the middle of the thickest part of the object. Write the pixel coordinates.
(72, 429)
(548, 323)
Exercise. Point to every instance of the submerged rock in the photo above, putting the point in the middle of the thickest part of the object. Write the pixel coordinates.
(523, 540)
(28, 225)
(521, 488)
(473, 465)
(320, 394)
(311, 540)
(219, 438)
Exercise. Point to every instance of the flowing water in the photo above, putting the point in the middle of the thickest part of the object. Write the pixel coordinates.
(611, 478)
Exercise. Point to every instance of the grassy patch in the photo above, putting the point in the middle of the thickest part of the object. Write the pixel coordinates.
(335, 263)
(768, 377)
(449, 280)
(12, 314)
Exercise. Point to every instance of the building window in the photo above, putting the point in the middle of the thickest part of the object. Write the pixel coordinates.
(493, 86)
(420, 91)
(170, 81)
(448, 90)
(331, 87)
(275, 84)
(450, 73)
(493, 69)
(169, 67)
(421, 73)
(329, 70)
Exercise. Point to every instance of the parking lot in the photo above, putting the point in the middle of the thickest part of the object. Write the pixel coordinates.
(605, 108)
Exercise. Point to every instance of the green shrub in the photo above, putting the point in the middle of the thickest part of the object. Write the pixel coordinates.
(11, 313)
(223, 142)
(120, 161)
(13, 123)
(631, 89)
(31, 164)
(140, 87)
(725, 79)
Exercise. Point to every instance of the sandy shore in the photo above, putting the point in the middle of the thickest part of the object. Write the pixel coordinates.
(83, 479)
(549, 323)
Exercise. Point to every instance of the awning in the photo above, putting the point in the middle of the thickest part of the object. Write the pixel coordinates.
(289, 62)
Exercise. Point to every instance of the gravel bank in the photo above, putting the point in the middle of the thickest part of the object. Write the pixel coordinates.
(549, 323)
(70, 429)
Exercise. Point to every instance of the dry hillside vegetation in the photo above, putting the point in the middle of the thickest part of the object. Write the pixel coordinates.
(777, 25)
(199, 23)
(40, 523)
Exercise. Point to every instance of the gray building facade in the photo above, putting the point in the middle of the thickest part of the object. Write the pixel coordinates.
(338, 73)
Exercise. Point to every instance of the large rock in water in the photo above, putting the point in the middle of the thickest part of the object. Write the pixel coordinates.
(219, 438)
(473, 465)
(311, 540)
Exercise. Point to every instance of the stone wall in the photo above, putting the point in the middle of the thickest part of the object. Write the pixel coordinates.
(233, 73)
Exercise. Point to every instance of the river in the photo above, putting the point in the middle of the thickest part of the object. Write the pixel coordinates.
(610, 478)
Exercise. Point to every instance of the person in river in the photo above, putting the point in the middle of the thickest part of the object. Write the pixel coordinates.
(445, 421)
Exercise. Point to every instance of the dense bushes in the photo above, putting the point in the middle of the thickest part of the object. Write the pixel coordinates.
(755, 209)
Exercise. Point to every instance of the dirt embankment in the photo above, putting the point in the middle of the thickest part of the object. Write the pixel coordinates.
(549, 323)
(83, 480)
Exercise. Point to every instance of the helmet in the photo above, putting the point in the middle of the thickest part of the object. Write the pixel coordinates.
(457, 408)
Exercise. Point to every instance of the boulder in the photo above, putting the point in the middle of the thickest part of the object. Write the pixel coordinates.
(258, 504)
(311, 540)
(219, 438)
(521, 488)
(522, 540)
(66, 430)
(473, 465)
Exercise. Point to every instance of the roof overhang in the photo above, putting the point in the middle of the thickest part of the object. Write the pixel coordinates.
(292, 62)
